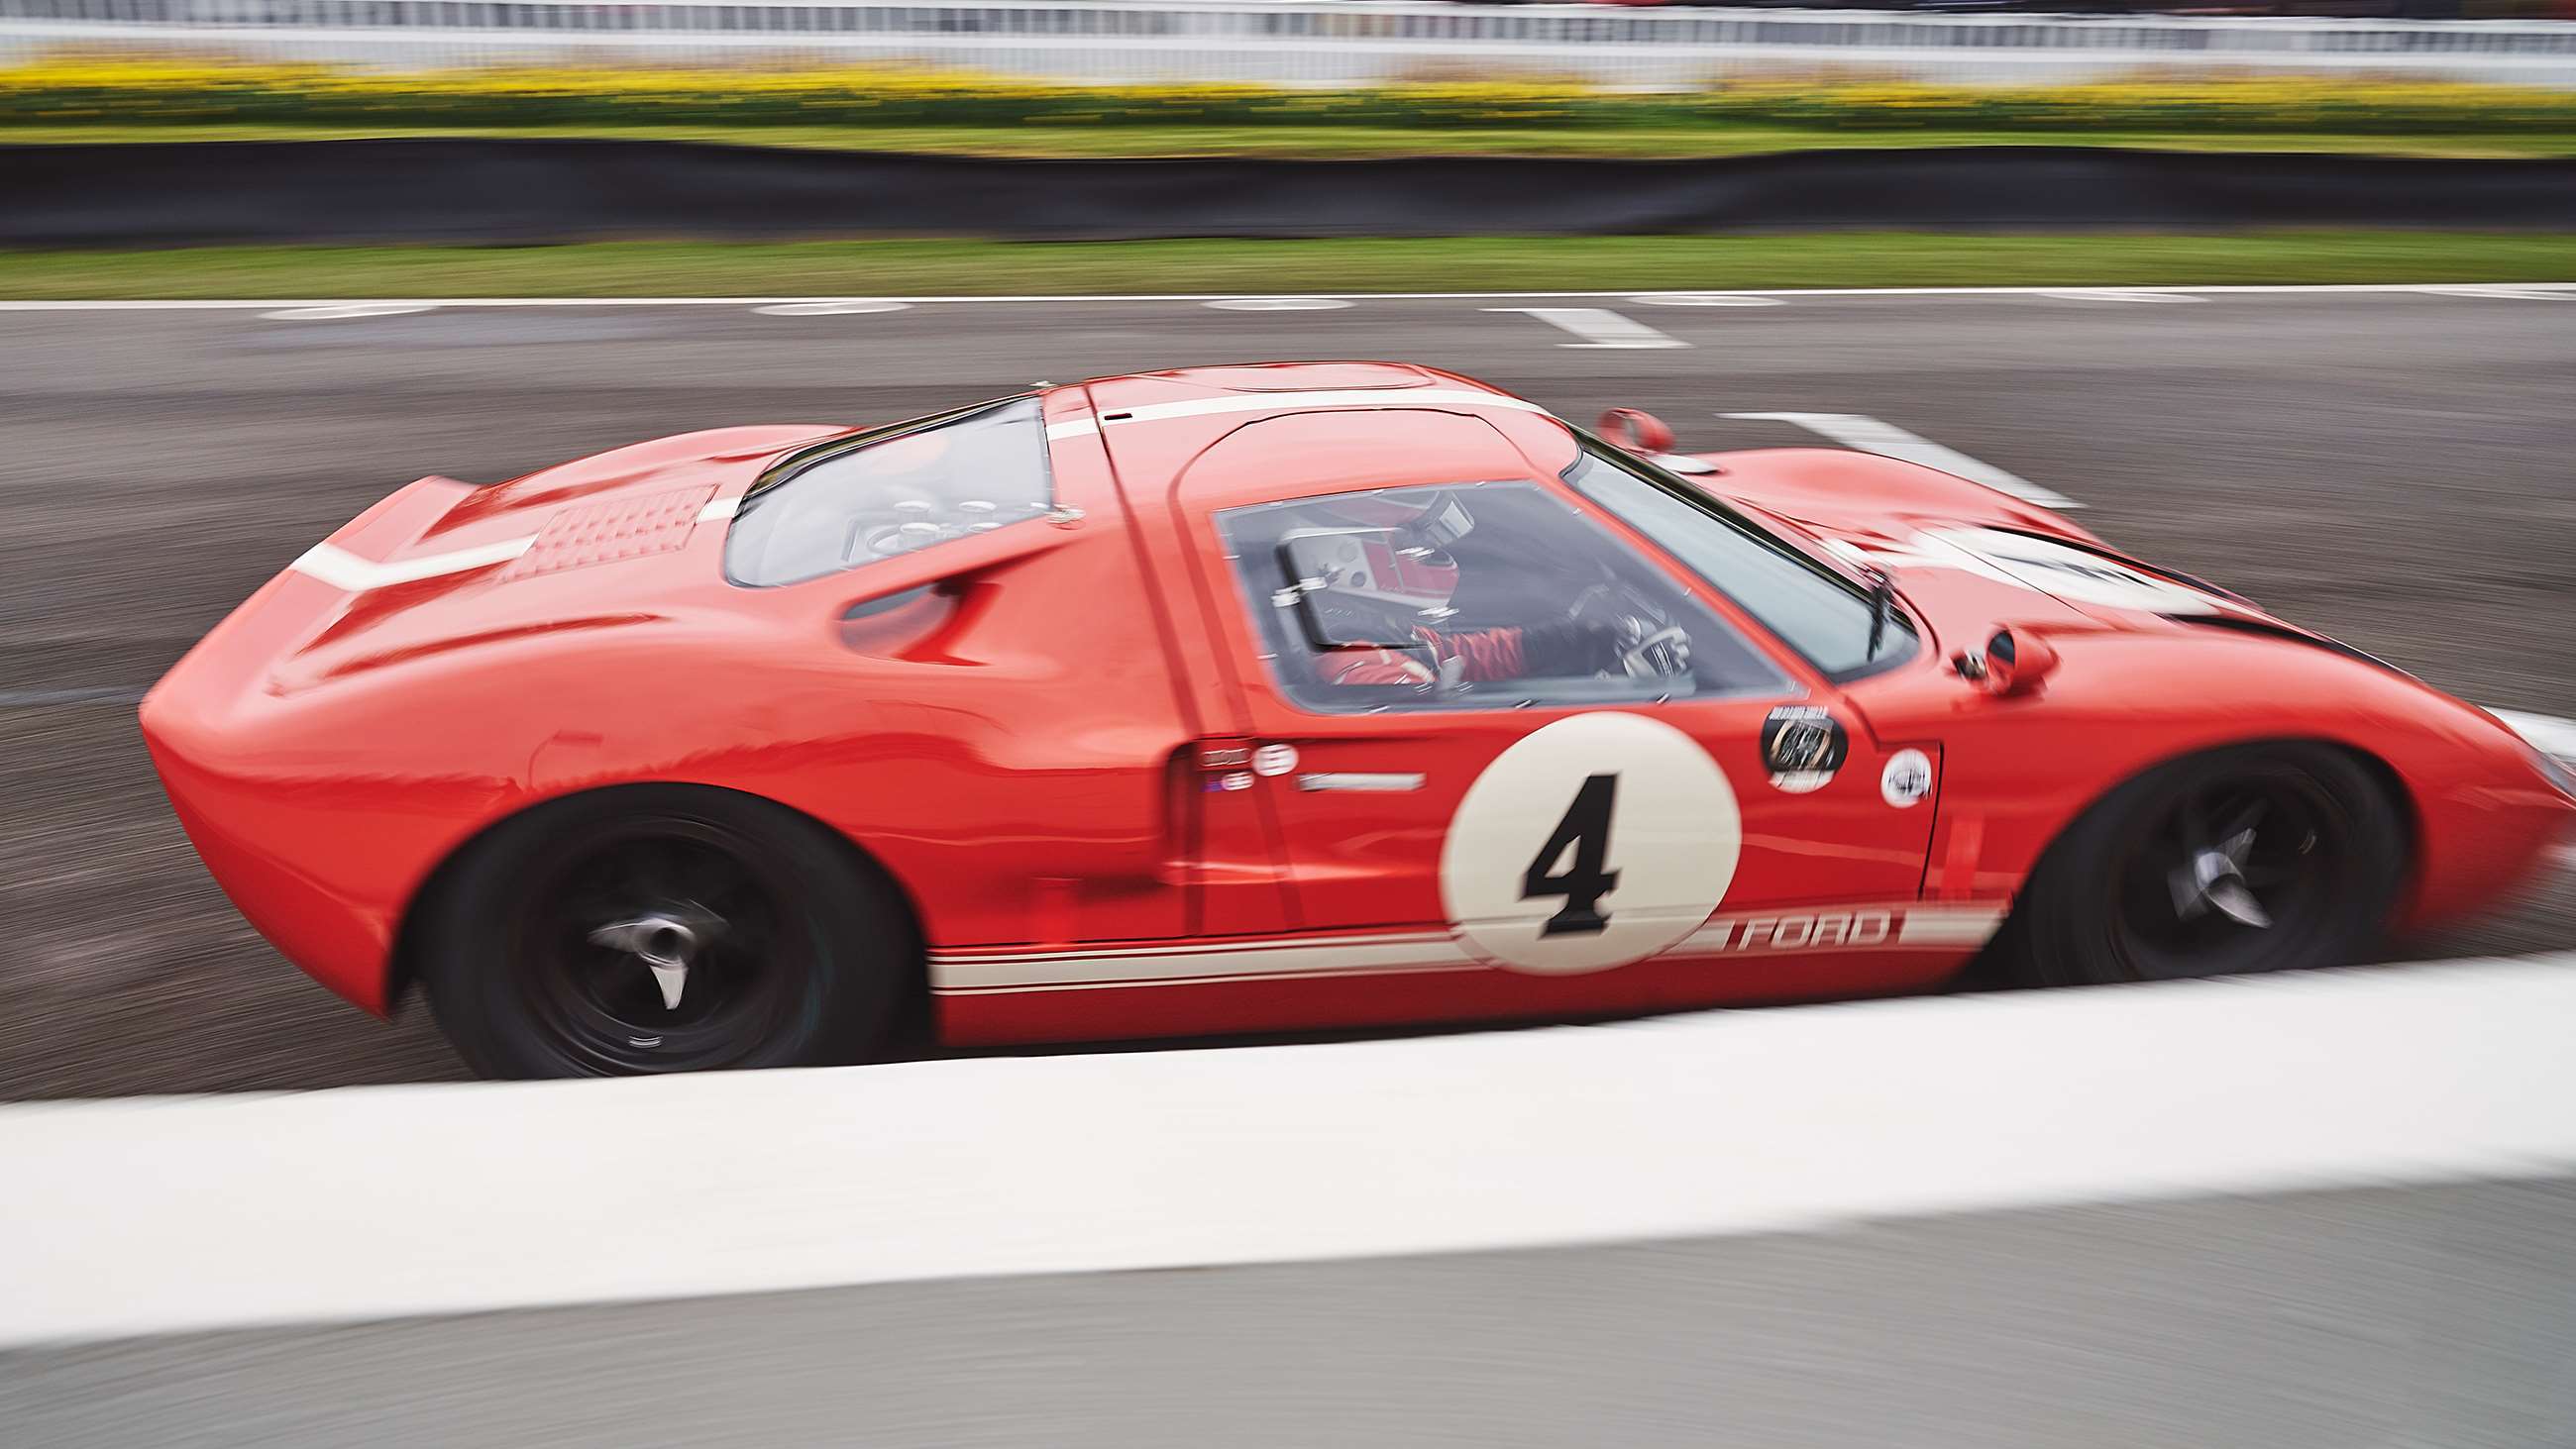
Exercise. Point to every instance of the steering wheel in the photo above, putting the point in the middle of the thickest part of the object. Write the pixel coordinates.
(1651, 645)
(1662, 654)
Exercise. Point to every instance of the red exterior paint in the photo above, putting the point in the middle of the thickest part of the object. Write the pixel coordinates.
(1024, 753)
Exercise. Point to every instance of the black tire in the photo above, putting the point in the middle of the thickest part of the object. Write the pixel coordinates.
(797, 951)
(2119, 896)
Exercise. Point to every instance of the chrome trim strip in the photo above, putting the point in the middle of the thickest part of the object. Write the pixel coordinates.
(1378, 782)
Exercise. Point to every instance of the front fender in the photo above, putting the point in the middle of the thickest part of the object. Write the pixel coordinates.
(2016, 772)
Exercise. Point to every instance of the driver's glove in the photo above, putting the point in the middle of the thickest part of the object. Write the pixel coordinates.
(1649, 651)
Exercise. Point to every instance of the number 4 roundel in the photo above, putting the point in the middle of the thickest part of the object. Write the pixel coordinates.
(1592, 842)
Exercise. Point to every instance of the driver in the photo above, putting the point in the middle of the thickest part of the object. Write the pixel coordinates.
(1384, 569)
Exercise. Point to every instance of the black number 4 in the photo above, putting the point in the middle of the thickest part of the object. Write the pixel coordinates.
(1583, 883)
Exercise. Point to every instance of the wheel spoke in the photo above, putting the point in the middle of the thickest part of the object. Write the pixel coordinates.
(2238, 904)
(2244, 819)
(2188, 902)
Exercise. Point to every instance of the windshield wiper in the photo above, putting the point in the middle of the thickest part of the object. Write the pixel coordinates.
(1882, 605)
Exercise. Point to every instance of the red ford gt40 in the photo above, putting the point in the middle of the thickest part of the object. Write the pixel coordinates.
(1278, 697)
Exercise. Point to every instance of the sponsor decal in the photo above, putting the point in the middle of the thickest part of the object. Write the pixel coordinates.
(1907, 778)
(1823, 931)
(1274, 759)
(1803, 745)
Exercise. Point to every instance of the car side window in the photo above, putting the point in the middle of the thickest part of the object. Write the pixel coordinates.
(877, 495)
(1465, 596)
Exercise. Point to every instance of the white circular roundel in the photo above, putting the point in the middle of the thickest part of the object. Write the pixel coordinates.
(1907, 778)
(1593, 842)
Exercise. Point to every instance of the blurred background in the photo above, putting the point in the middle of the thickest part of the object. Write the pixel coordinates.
(2280, 294)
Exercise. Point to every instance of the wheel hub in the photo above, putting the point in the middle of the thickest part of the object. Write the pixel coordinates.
(2213, 879)
(666, 942)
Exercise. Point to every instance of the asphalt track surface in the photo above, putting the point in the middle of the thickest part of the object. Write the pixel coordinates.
(2393, 468)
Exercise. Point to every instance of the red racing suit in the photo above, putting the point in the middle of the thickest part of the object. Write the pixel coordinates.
(1558, 650)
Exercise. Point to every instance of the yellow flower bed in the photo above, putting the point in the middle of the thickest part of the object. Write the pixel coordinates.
(126, 90)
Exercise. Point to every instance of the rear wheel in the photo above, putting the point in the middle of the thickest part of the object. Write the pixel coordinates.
(2257, 858)
(663, 929)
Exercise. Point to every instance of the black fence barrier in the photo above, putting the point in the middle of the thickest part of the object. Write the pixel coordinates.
(519, 191)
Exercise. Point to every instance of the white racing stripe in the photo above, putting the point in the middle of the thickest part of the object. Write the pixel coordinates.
(342, 569)
(1363, 397)
(1169, 965)
(1371, 397)
(2438, 289)
(158, 1216)
(1916, 925)
(1869, 435)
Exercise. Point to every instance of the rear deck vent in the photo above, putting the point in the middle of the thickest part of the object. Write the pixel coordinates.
(613, 529)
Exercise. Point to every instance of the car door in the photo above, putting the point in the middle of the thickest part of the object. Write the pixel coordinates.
(1452, 703)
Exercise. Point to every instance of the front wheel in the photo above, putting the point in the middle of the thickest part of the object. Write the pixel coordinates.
(658, 929)
(2254, 858)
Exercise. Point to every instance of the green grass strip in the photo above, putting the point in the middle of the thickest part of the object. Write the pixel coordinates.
(939, 268)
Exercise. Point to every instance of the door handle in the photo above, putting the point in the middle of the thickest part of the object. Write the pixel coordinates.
(1361, 781)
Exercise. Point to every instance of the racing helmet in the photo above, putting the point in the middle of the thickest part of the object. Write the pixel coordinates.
(1382, 556)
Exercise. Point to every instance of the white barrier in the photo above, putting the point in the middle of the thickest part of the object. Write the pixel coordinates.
(2306, 1212)
(1307, 42)
(186, 1215)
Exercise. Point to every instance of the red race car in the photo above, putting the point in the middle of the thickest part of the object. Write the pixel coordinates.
(1278, 697)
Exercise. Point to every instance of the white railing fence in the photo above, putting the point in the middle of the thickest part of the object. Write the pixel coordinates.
(1307, 42)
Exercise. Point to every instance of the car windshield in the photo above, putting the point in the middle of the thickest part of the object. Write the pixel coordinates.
(1817, 612)
(892, 492)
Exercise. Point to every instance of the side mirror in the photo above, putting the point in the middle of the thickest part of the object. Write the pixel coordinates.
(2010, 665)
(1635, 431)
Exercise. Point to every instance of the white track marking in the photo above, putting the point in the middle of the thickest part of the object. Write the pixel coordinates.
(2346, 289)
(342, 569)
(342, 311)
(2119, 294)
(2509, 292)
(1869, 435)
(1704, 299)
(1597, 327)
(169, 1215)
(842, 307)
(1278, 304)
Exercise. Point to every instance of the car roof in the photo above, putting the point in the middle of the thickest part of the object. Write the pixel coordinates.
(1355, 425)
